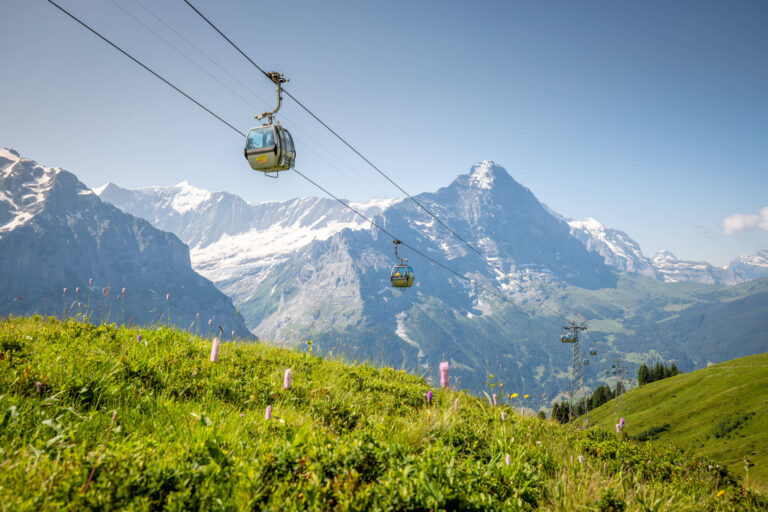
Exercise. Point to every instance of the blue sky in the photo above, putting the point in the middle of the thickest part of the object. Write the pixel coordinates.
(650, 116)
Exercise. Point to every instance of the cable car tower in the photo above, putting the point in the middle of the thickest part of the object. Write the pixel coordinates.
(577, 373)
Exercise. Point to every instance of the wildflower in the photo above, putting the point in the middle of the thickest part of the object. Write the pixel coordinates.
(429, 396)
(720, 492)
(603, 466)
(77, 289)
(268, 413)
(619, 426)
(123, 292)
(429, 413)
(241, 415)
(508, 460)
(233, 333)
(138, 338)
(39, 387)
(65, 290)
(503, 416)
(287, 379)
(526, 396)
(494, 399)
(456, 405)
(90, 282)
(514, 395)
(215, 350)
(444, 367)
(581, 459)
(538, 443)
(621, 422)
(197, 316)
(210, 321)
(167, 296)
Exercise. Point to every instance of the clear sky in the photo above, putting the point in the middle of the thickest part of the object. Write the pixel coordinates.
(651, 117)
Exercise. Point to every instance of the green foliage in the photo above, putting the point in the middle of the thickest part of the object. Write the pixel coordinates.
(609, 502)
(731, 423)
(646, 374)
(651, 433)
(192, 435)
(716, 412)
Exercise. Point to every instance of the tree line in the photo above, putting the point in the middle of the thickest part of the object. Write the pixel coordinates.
(647, 374)
(601, 394)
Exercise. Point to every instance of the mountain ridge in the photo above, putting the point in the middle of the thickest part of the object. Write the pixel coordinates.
(57, 236)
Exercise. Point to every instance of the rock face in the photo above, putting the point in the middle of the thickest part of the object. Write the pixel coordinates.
(616, 247)
(56, 233)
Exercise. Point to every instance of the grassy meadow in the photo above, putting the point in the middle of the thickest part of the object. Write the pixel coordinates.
(108, 418)
(720, 412)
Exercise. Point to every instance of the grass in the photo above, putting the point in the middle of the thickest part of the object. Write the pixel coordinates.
(189, 434)
(717, 412)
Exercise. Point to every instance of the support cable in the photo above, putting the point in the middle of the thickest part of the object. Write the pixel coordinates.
(347, 205)
(364, 158)
(113, 45)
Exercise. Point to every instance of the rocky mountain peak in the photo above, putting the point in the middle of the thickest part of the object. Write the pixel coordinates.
(484, 174)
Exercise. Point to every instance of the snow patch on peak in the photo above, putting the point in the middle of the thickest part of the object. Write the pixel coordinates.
(99, 190)
(664, 255)
(588, 223)
(482, 175)
(188, 197)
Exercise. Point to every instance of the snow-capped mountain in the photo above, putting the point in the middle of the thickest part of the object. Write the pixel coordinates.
(616, 247)
(308, 268)
(56, 234)
(674, 270)
(747, 268)
(623, 253)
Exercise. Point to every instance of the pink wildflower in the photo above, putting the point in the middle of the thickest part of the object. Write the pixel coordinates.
(167, 296)
(215, 350)
(444, 367)
(494, 399)
(581, 459)
(123, 292)
(77, 289)
(429, 396)
(138, 338)
(233, 334)
(508, 460)
(503, 416)
(268, 413)
(456, 405)
(287, 379)
(197, 316)
(39, 387)
(621, 422)
(90, 282)
(619, 426)
(65, 290)
(210, 321)
(241, 414)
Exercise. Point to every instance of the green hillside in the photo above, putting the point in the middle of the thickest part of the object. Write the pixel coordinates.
(720, 412)
(98, 418)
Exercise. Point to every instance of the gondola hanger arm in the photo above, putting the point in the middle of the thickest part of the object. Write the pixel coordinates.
(278, 80)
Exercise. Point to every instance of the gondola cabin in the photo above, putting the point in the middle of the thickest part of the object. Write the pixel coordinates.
(586, 362)
(269, 149)
(593, 352)
(402, 276)
(569, 337)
